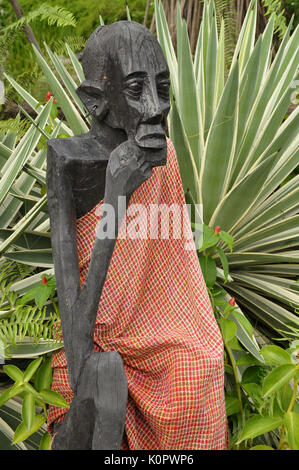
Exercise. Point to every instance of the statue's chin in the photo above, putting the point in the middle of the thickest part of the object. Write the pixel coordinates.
(152, 139)
(156, 156)
(161, 162)
(151, 136)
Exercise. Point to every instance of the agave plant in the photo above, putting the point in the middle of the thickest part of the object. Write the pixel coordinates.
(24, 226)
(26, 238)
(24, 221)
(237, 151)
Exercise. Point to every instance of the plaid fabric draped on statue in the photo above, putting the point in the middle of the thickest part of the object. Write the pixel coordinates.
(155, 312)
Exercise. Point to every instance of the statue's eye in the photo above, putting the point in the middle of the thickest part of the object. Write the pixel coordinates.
(163, 89)
(134, 88)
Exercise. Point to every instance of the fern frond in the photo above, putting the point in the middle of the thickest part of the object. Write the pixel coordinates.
(226, 9)
(31, 322)
(53, 15)
(76, 43)
(27, 79)
(6, 39)
(19, 320)
(18, 125)
(22, 270)
(57, 15)
(275, 7)
(11, 270)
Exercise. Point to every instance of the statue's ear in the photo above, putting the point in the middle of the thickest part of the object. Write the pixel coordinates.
(92, 96)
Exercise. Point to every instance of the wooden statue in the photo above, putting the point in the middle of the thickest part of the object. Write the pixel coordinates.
(127, 93)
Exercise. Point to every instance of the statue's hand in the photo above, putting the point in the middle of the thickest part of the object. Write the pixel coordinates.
(127, 169)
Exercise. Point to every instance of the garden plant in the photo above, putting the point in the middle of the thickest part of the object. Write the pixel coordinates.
(237, 145)
(237, 153)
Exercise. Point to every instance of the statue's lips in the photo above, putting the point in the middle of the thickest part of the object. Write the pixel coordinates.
(152, 137)
(154, 141)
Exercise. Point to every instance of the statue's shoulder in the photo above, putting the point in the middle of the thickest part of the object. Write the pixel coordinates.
(78, 147)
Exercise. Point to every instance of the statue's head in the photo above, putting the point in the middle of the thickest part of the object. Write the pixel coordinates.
(127, 82)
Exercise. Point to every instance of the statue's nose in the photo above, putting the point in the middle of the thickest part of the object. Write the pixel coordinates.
(152, 108)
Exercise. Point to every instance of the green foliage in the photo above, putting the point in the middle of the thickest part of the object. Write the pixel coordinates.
(13, 271)
(34, 387)
(237, 152)
(275, 7)
(17, 125)
(115, 11)
(263, 400)
(248, 200)
(50, 22)
(76, 43)
(19, 319)
(41, 293)
(208, 247)
(24, 232)
(237, 328)
(55, 23)
(25, 236)
(27, 321)
(291, 8)
(221, 128)
(24, 225)
(51, 14)
(26, 78)
(225, 9)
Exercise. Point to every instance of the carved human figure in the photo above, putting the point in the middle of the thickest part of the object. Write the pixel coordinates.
(127, 92)
(142, 346)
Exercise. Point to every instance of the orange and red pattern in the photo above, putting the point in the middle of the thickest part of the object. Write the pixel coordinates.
(155, 311)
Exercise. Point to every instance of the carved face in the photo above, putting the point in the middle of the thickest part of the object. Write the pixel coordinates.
(138, 93)
(128, 78)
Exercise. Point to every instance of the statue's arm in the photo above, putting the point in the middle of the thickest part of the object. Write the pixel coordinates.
(64, 244)
(63, 228)
(78, 307)
(126, 171)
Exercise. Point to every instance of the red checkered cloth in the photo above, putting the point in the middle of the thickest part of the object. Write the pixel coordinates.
(155, 312)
